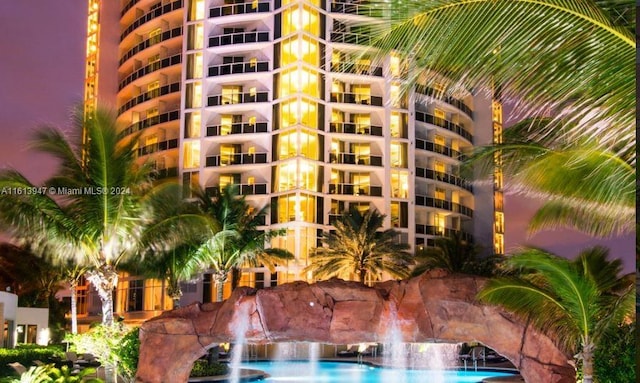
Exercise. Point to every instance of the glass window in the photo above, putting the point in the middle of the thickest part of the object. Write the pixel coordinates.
(194, 95)
(196, 10)
(300, 48)
(399, 184)
(135, 295)
(299, 81)
(439, 116)
(399, 214)
(191, 153)
(195, 36)
(440, 194)
(398, 154)
(231, 94)
(194, 120)
(439, 221)
(398, 125)
(296, 19)
(362, 93)
(195, 66)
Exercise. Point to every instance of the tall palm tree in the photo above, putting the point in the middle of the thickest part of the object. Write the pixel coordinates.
(454, 254)
(584, 187)
(96, 200)
(357, 248)
(574, 302)
(238, 241)
(72, 274)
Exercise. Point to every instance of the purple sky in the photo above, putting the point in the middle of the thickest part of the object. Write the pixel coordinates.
(41, 77)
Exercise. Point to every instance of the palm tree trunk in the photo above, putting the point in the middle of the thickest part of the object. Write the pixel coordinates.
(587, 363)
(104, 279)
(174, 292)
(219, 291)
(220, 278)
(74, 306)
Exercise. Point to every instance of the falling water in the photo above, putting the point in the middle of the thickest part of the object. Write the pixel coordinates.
(238, 348)
(314, 356)
(395, 354)
(285, 351)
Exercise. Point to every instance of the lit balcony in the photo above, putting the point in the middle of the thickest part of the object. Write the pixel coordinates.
(440, 149)
(355, 159)
(356, 68)
(361, 8)
(238, 68)
(152, 14)
(238, 128)
(243, 189)
(355, 189)
(237, 98)
(157, 147)
(351, 38)
(354, 128)
(238, 38)
(449, 100)
(437, 231)
(446, 124)
(443, 177)
(150, 68)
(356, 98)
(422, 200)
(237, 159)
(164, 36)
(150, 95)
(151, 121)
(239, 9)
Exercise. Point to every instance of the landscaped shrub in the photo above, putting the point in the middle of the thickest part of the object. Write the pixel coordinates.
(50, 374)
(26, 355)
(203, 368)
(615, 357)
(128, 352)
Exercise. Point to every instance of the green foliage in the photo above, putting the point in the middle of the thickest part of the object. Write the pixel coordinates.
(51, 374)
(203, 368)
(128, 352)
(25, 355)
(615, 357)
(102, 341)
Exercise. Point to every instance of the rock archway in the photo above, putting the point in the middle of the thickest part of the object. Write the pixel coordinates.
(434, 306)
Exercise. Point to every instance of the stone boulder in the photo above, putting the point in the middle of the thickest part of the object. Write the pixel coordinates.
(435, 306)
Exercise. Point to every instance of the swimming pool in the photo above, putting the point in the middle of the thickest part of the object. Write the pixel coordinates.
(342, 372)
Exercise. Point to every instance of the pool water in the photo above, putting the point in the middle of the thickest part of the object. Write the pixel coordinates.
(341, 372)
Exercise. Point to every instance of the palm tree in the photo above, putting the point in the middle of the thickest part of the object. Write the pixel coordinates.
(585, 187)
(238, 241)
(454, 254)
(575, 302)
(72, 274)
(96, 201)
(357, 248)
(572, 57)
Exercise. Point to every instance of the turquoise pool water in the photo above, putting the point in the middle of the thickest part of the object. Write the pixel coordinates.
(341, 372)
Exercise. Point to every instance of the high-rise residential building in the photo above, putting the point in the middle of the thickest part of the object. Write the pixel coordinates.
(277, 97)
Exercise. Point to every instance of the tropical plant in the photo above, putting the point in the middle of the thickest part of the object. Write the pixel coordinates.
(454, 254)
(358, 249)
(128, 352)
(238, 242)
(575, 302)
(584, 187)
(615, 358)
(94, 205)
(50, 374)
(571, 58)
(72, 274)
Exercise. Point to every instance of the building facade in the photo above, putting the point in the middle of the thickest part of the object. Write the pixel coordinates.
(277, 97)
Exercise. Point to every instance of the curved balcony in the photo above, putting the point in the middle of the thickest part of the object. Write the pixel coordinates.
(440, 149)
(360, 8)
(157, 147)
(355, 68)
(128, 6)
(239, 9)
(355, 159)
(151, 121)
(437, 231)
(431, 92)
(155, 66)
(422, 200)
(238, 68)
(237, 98)
(355, 189)
(238, 38)
(237, 159)
(243, 189)
(164, 36)
(152, 14)
(238, 128)
(441, 122)
(160, 174)
(353, 128)
(350, 38)
(162, 91)
(356, 98)
(443, 177)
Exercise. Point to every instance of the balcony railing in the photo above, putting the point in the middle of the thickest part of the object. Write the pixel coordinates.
(353, 128)
(351, 38)
(237, 98)
(238, 68)
(355, 189)
(443, 177)
(441, 122)
(435, 230)
(443, 204)
(163, 90)
(362, 8)
(355, 159)
(159, 174)
(239, 128)
(150, 68)
(238, 38)
(237, 159)
(238, 9)
(356, 68)
(449, 100)
(440, 149)
(157, 147)
(166, 35)
(356, 98)
(157, 12)
(151, 121)
(243, 189)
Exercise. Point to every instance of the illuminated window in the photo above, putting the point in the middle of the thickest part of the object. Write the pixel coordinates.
(229, 154)
(152, 112)
(194, 95)
(229, 179)
(362, 152)
(194, 66)
(399, 184)
(363, 65)
(300, 48)
(195, 36)
(499, 222)
(439, 221)
(439, 116)
(362, 93)
(361, 183)
(440, 194)
(227, 122)
(439, 140)
(231, 94)
(196, 10)
(398, 125)
(295, 19)
(394, 65)
(399, 214)
(300, 207)
(308, 113)
(251, 180)
(439, 167)
(337, 116)
(498, 244)
(193, 124)
(151, 140)
(299, 81)
(496, 108)
(153, 89)
(498, 179)
(498, 201)
(155, 36)
(398, 154)
(497, 133)
(363, 123)
(397, 98)
(191, 155)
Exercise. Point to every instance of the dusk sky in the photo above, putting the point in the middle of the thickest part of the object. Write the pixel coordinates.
(41, 77)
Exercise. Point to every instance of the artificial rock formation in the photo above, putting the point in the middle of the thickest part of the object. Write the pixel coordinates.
(435, 306)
